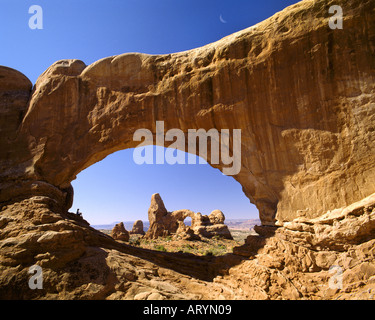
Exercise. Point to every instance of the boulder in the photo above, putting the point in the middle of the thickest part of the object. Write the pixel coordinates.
(216, 217)
(156, 230)
(185, 232)
(137, 228)
(209, 231)
(119, 232)
(163, 223)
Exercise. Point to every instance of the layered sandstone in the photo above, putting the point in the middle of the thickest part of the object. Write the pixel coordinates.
(301, 93)
(303, 96)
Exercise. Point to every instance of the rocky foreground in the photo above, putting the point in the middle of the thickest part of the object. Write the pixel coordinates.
(290, 262)
(303, 95)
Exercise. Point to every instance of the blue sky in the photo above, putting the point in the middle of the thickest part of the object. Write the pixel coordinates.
(116, 189)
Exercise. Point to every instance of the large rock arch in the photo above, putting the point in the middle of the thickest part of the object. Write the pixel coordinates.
(301, 93)
(303, 96)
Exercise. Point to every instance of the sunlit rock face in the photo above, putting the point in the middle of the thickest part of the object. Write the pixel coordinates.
(301, 93)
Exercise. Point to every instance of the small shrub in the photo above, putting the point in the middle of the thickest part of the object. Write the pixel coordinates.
(160, 247)
(135, 242)
(221, 246)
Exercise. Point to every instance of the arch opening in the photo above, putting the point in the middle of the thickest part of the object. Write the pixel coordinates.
(116, 189)
(188, 221)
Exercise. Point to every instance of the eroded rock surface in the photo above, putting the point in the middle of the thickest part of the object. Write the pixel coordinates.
(119, 232)
(301, 93)
(291, 262)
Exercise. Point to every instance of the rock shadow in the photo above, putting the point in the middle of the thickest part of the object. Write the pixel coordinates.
(207, 267)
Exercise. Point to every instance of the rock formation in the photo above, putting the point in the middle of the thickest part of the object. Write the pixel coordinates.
(185, 232)
(216, 217)
(302, 94)
(119, 232)
(138, 228)
(164, 223)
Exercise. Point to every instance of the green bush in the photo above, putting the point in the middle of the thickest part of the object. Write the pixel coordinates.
(221, 246)
(160, 247)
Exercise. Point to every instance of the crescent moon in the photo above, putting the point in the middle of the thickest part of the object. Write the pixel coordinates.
(221, 19)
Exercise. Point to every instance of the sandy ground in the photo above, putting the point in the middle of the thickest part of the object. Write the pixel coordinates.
(214, 246)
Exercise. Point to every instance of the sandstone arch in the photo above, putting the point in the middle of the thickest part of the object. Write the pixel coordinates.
(301, 93)
(188, 221)
(164, 223)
